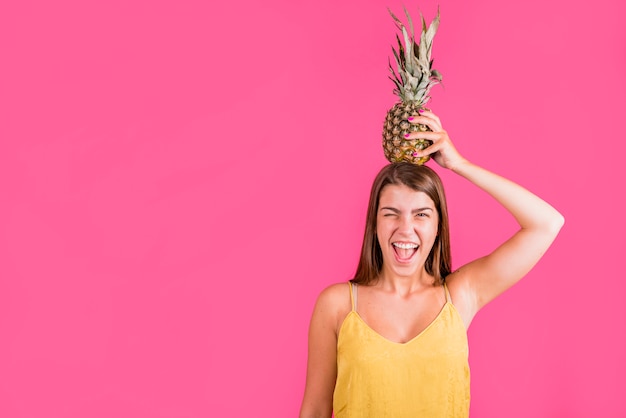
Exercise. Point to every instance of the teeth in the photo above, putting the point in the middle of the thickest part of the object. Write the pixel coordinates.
(404, 246)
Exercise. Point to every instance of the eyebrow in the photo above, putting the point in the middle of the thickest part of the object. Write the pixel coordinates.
(413, 211)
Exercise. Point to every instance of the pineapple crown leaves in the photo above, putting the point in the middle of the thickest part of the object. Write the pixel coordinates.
(415, 76)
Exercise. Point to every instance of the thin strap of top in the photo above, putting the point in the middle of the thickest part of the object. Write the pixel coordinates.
(353, 295)
(445, 286)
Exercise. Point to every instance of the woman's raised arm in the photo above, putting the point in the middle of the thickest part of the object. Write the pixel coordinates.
(480, 281)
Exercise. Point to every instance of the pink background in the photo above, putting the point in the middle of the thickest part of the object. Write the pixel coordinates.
(180, 179)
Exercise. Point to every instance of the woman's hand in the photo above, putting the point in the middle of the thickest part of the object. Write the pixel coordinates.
(442, 149)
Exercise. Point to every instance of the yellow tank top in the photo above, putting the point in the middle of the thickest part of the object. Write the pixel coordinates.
(427, 376)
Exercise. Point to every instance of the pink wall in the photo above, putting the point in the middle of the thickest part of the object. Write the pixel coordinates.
(180, 179)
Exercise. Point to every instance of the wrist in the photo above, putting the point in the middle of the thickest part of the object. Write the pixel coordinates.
(459, 166)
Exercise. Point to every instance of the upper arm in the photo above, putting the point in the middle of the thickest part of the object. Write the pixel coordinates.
(322, 356)
(482, 280)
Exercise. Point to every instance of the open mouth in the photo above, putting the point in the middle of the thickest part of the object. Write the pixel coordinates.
(404, 250)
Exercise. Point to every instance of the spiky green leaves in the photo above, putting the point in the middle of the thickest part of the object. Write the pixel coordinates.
(414, 76)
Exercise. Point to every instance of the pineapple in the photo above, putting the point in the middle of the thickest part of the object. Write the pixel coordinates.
(413, 80)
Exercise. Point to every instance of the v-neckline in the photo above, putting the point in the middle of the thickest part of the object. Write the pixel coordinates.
(379, 335)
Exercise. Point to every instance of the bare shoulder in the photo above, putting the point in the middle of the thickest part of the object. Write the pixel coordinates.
(461, 294)
(333, 304)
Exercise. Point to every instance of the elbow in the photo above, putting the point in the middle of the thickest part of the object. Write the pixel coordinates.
(559, 221)
(549, 224)
(555, 223)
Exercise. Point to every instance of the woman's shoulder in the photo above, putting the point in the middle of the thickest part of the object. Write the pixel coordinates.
(334, 302)
(335, 294)
(461, 294)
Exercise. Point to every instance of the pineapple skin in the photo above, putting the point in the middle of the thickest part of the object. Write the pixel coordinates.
(396, 147)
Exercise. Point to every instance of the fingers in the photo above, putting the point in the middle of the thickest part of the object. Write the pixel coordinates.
(438, 139)
(433, 148)
(427, 113)
(427, 118)
(437, 135)
(430, 135)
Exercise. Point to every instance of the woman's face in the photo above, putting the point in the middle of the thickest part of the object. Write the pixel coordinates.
(406, 228)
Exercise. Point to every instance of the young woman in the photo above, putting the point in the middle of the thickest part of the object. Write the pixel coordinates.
(392, 342)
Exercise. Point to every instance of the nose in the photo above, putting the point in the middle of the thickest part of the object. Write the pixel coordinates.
(406, 224)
